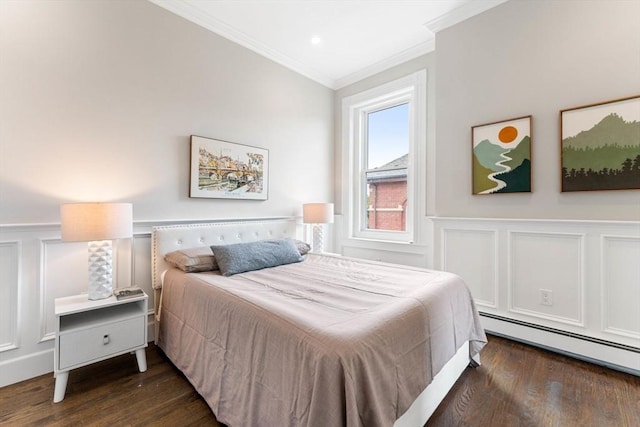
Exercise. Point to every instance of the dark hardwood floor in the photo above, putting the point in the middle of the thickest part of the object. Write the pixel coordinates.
(521, 385)
(517, 385)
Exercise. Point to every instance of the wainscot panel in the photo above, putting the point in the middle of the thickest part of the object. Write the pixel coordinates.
(570, 286)
(9, 277)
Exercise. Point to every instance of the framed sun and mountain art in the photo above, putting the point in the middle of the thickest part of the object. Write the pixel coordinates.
(502, 156)
(225, 170)
(600, 146)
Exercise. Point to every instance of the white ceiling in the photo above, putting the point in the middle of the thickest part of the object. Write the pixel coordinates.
(358, 37)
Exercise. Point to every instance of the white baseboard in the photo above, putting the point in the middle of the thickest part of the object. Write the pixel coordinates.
(23, 368)
(151, 329)
(621, 359)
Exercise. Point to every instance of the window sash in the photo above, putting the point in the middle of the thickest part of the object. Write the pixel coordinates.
(361, 205)
(412, 90)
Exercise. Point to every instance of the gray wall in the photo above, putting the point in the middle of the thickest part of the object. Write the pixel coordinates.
(532, 57)
(98, 100)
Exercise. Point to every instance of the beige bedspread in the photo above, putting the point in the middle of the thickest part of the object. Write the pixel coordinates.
(330, 341)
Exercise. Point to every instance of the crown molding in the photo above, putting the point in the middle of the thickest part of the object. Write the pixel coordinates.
(397, 59)
(466, 11)
(195, 15)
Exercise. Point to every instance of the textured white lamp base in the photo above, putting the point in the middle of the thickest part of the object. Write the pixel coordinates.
(100, 269)
(317, 245)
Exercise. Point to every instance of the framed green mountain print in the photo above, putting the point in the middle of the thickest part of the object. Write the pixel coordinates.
(600, 146)
(502, 157)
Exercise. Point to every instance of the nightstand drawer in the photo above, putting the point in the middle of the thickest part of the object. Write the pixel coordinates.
(83, 346)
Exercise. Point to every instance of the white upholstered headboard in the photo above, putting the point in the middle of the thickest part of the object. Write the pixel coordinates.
(169, 238)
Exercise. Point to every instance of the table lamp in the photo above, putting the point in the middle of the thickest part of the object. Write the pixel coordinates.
(317, 214)
(98, 224)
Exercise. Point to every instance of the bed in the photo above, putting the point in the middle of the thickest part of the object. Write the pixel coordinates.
(326, 341)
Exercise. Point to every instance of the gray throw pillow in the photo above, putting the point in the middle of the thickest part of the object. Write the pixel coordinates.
(241, 257)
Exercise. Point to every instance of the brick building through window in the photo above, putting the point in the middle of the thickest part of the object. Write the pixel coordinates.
(387, 190)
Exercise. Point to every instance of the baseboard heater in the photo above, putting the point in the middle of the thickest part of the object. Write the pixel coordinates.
(561, 332)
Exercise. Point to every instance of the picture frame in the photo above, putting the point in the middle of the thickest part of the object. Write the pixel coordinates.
(600, 146)
(501, 156)
(226, 170)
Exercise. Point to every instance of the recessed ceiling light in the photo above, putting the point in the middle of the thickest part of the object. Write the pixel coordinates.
(315, 40)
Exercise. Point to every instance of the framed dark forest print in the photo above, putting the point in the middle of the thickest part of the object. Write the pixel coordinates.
(501, 157)
(600, 146)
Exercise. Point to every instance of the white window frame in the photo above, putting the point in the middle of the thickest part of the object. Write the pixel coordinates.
(412, 90)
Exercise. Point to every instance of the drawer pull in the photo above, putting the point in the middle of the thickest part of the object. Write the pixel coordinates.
(105, 339)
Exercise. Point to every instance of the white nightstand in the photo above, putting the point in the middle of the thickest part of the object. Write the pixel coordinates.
(89, 331)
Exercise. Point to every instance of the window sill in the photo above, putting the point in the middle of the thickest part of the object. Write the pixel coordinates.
(386, 245)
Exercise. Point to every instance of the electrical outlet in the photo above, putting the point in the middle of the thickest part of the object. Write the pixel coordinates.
(546, 297)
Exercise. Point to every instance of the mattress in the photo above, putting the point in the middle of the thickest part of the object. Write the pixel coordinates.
(330, 341)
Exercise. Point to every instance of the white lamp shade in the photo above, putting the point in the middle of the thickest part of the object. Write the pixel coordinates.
(85, 222)
(317, 213)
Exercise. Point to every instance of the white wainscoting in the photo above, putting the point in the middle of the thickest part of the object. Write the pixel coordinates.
(416, 254)
(10, 268)
(590, 268)
(562, 255)
(620, 302)
(36, 267)
(480, 269)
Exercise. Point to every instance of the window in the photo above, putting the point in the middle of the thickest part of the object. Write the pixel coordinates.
(386, 150)
(383, 132)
